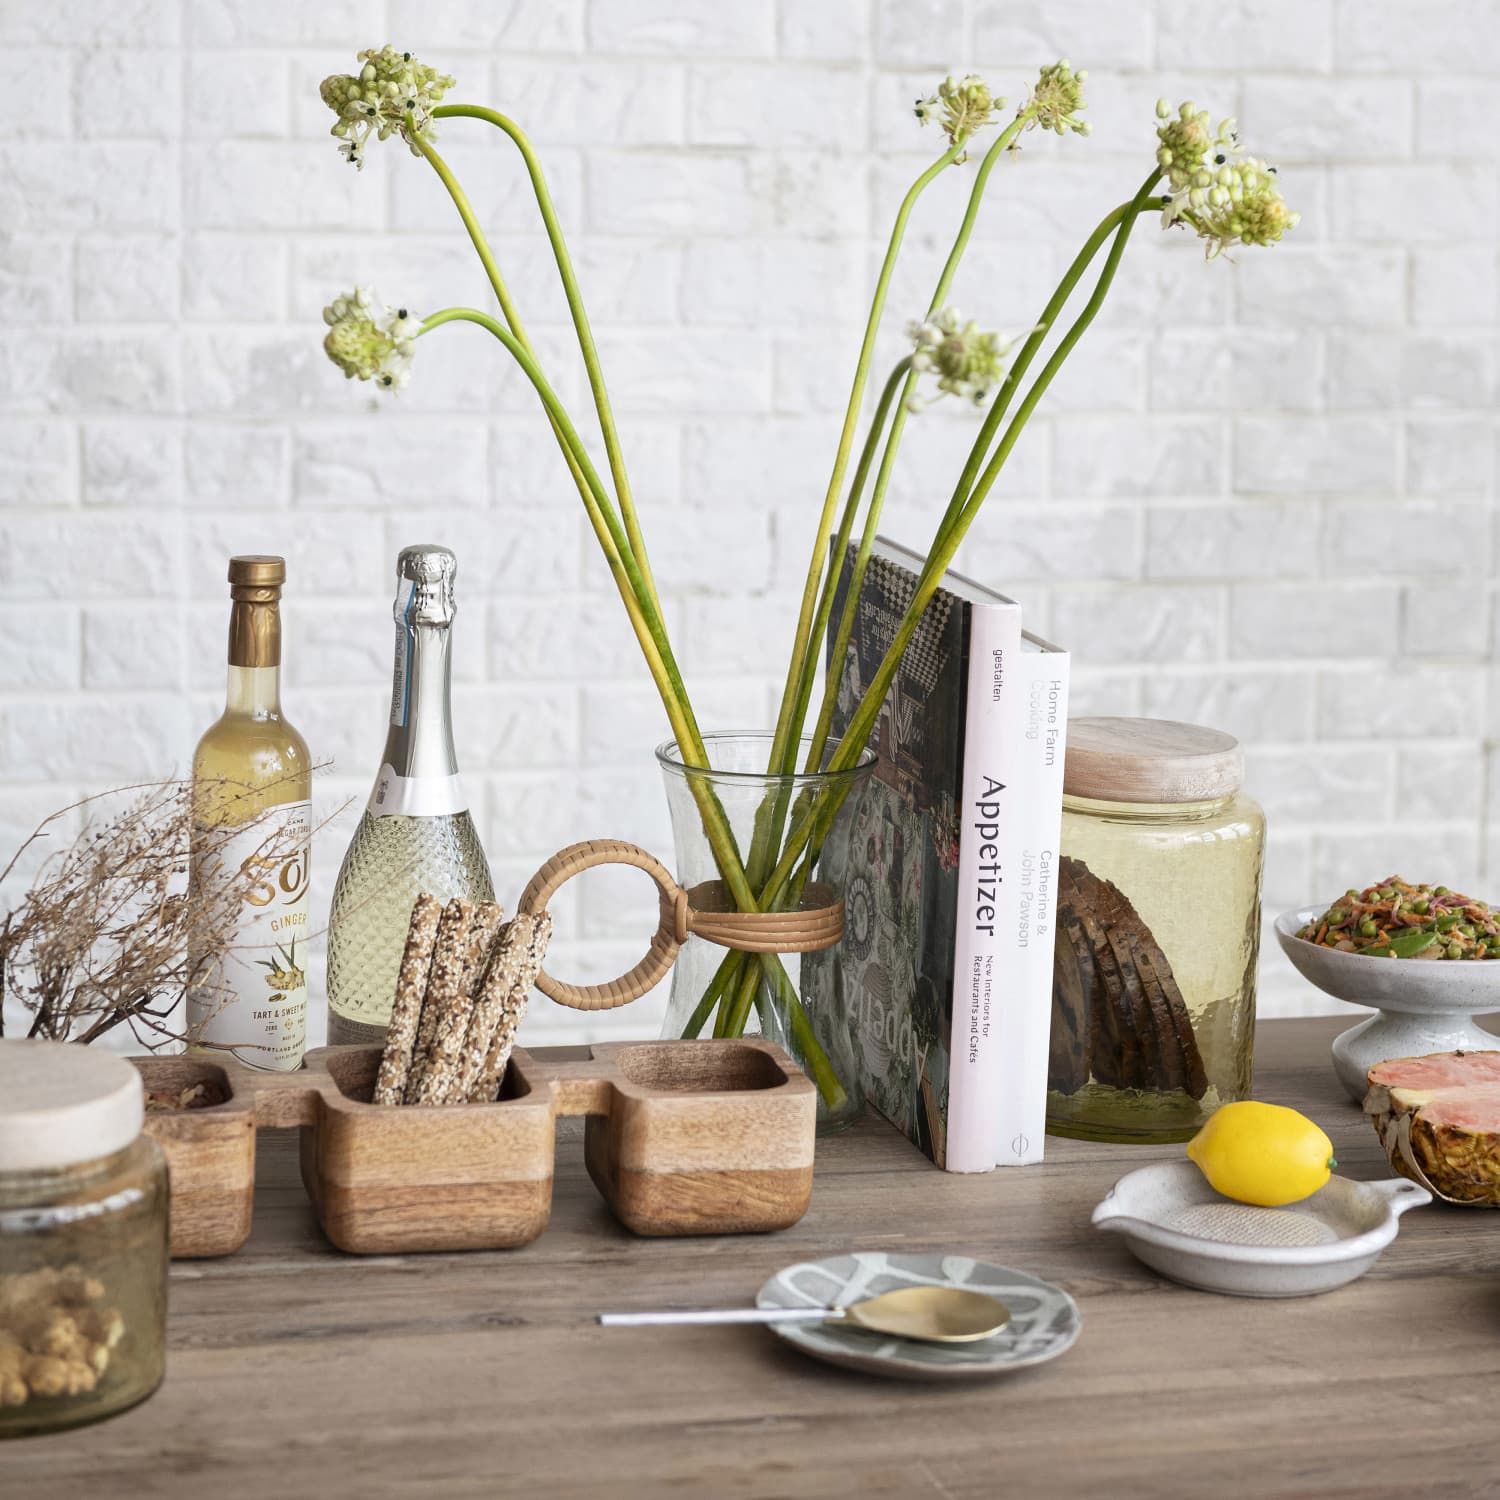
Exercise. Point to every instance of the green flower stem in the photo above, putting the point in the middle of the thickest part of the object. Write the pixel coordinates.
(770, 817)
(966, 501)
(669, 680)
(803, 1038)
(948, 539)
(491, 266)
(596, 498)
(770, 827)
(725, 974)
(818, 746)
(580, 322)
(734, 1008)
(1002, 144)
(692, 740)
(1022, 362)
(823, 727)
(770, 975)
(832, 562)
(802, 641)
(1138, 205)
(832, 559)
(627, 578)
(941, 554)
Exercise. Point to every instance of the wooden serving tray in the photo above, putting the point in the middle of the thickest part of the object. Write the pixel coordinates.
(685, 1137)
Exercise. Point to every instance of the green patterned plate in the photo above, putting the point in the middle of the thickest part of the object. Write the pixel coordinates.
(1044, 1319)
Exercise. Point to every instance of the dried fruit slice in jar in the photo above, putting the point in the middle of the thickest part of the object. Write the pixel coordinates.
(1438, 1118)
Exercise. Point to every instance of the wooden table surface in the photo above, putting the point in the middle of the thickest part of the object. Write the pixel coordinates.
(296, 1371)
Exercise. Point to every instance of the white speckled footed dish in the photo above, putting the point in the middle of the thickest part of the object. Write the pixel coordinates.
(1174, 1222)
(1421, 1007)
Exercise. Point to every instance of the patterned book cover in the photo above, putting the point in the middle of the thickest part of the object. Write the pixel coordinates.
(899, 861)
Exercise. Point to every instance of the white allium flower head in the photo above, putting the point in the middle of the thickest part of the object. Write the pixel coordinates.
(370, 342)
(1055, 99)
(1235, 203)
(1228, 198)
(960, 108)
(1189, 142)
(967, 362)
(391, 94)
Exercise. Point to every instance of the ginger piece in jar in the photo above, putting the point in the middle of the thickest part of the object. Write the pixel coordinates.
(55, 1336)
(51, 1375)
(46, 1328)
(13, 1387)
(103, 1327)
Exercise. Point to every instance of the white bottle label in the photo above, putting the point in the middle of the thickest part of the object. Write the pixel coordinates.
(396, 795)
(255, 1002)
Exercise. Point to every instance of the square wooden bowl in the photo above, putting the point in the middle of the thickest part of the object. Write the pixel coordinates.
(440, 1177)
(703, 1137)
(210, 1154)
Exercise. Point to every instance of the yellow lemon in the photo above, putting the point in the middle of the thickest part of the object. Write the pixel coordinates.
(1262, 1153)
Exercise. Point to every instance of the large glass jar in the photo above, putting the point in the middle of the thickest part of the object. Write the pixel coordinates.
(83, 1239)
(1157, 933)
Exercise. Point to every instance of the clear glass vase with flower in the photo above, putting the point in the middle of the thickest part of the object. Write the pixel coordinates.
(1199, 180)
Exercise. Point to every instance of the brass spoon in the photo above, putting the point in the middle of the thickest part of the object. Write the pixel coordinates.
(933, 1314)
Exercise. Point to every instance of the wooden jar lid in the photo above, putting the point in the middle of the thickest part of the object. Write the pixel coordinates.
(1150, 760)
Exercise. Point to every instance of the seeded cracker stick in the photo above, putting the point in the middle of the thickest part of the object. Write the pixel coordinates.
(483, 931)
(518, 957)
(489, 1001)
(437, 1084)
(406, 1010)
(444, 981)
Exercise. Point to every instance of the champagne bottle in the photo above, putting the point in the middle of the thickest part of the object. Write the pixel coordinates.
(416, 833)
(252, 827)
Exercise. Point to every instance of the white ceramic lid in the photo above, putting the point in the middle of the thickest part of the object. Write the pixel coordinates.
(61, 1104)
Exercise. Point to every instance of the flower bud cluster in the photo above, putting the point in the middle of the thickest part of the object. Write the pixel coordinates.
(1189, 142)
(1056, 98)
(392, 93)
(369, 342)
(960, 108)
(1236, 203)
(967, 362)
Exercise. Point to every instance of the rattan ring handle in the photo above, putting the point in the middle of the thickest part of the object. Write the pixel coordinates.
(706, 910)
(659, 957)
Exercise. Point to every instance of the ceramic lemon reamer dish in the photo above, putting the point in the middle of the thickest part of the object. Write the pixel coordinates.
(1174, 1222)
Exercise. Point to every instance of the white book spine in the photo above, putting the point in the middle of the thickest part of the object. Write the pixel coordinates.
(987, 817)
(1037, 725)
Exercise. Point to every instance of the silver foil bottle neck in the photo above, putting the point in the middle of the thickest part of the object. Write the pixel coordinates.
(425, 576)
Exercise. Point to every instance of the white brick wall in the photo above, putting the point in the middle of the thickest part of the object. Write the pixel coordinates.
(1261, 495)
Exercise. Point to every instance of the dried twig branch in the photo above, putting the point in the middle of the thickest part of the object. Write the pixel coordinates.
(112, 932)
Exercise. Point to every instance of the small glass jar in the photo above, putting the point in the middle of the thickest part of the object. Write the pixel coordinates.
(83, 1239)
(1157, 932)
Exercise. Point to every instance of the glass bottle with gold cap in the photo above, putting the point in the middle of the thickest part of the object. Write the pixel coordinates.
(251, 774)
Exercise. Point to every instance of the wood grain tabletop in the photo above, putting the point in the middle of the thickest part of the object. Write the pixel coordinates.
(300, 1373)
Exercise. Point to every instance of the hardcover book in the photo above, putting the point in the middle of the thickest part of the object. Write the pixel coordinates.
(933, 867)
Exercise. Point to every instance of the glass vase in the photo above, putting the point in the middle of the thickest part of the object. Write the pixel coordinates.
(794, 999)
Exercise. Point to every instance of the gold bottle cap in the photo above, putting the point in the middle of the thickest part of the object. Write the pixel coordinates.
(255, 634)
(258, 571)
